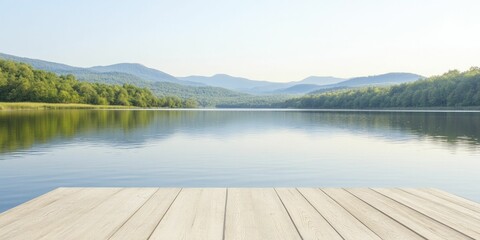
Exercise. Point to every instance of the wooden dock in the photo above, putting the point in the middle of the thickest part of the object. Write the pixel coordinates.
(243, 213)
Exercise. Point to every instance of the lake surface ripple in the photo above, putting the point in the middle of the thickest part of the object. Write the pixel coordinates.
(43, 150)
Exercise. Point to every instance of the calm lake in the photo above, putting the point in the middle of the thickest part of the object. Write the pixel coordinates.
(43, 150)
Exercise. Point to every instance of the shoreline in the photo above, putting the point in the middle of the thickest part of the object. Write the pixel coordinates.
(16, 106)
(20, 106)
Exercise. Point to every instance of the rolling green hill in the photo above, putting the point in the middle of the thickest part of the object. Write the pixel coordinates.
(19, 82)
(206, 96)
(452, 89)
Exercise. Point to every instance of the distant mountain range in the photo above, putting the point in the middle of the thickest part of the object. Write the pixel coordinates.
(258, 86)
(226, 81)
(377, 80)
(160, 83)
(224, 84)
(117, 73)
(300, 88)
(307, 85)
(142, 72)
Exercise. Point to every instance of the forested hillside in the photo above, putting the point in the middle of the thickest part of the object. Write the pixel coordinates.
(452, 89)
(19, 82)
(139, 76)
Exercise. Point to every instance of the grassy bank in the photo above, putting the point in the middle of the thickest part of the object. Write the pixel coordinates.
(39, 106)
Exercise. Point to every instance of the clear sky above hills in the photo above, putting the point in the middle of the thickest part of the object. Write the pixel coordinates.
(265, 40)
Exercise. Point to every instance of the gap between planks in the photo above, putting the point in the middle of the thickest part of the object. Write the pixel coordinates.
(249, 213)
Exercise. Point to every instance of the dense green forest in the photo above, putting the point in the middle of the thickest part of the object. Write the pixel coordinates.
(205, 96)
(19, 82)
(452, 89)
(254, 101)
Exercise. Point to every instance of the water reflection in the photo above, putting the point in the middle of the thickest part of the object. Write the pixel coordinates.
(22, 130)
(42, 150)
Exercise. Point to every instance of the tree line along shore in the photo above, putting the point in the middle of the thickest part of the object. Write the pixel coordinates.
(22, 87)
(19, 82)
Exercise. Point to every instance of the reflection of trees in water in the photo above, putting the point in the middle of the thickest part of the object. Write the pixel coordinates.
(21, 130)
(449, 127)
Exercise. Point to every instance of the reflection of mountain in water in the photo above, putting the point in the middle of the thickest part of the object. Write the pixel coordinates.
(22, 130)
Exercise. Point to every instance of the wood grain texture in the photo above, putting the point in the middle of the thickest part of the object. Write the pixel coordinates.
(57, 215)
(309, 222)
(243, 213)
(418, 222)
(143, 222)
(196, 214)
(445, 215)
(345, 224)
(104, 219)
(443, 202)
(35, 205)
(378, 222)
(257, 214)
(454, 199)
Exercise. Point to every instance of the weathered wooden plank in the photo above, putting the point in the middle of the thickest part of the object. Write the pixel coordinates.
(103, 220)
(463, 223)
(381, 224)
(143, 222)
(309, 222)
(195, 214)
(420, 223)
(345, 224)
(443, 202)
(474, 206)
(35, 205)
(284, 213)
(56, 215)
(257, 214)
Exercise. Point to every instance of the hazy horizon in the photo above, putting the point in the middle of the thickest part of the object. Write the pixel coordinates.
(219, 73)
(269, 40)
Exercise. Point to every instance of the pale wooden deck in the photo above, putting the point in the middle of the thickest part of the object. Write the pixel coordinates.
(243, 213)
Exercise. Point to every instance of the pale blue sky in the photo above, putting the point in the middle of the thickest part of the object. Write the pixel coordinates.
(266, 40)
